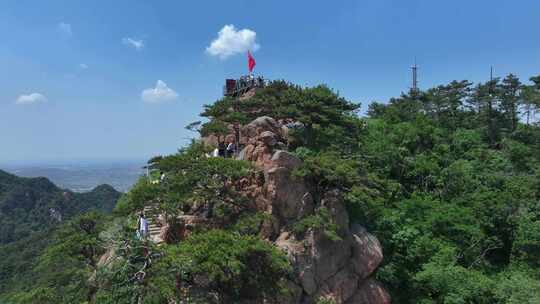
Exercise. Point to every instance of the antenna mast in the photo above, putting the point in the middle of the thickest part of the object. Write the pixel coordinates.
(414, 69)
(491, 80)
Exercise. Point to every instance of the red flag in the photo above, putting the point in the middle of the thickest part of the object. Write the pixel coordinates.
(251, 62)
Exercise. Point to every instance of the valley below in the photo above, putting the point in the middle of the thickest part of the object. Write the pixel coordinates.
(83, 176)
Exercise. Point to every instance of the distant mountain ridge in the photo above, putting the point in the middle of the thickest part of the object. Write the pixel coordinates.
(30, 211)
(82, 177)
(30, 205)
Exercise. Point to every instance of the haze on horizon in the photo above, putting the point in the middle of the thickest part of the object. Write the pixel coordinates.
(99, 80)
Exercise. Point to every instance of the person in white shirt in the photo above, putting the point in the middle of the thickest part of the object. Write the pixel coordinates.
(162, 177)
(230, 150)
(142, 227)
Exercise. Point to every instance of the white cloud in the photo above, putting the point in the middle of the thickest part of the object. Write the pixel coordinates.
(231, 41)
(31, 99)
(161, 93)
(65, 28)
(83, 66)
(137, 44)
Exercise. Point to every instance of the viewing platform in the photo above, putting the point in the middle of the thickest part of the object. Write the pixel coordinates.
(238, 87)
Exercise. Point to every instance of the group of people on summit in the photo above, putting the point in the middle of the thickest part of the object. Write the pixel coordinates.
(249, 81)
(224, 150)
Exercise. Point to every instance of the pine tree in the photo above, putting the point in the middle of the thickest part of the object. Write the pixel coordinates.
(484, 99)
(447, 102)
(510, 90)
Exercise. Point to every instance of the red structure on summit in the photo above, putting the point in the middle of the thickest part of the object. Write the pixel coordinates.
(237, 87)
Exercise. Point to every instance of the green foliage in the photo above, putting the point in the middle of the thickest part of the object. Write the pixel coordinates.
(39, 295)
(250, 224)
(328, 170)
(520, 154)
(31, 210)
(215, 127)
(323, 113)
(227, 265)
(232, 266)
(526, 245)
(18, 259)
(194, 180)
(517, 287)
(452, 193)
(320, 220)
(143, 192)
(27, 205)
(447, 179)
(130, 277)
(65, 267)
(445, 282)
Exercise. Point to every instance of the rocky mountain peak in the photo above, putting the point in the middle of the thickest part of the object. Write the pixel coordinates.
(336, 267)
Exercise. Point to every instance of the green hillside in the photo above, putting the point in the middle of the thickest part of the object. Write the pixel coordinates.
(448, 179)
(30, 210)
(35, 204)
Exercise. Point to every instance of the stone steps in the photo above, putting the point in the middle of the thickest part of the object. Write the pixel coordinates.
(154, 229)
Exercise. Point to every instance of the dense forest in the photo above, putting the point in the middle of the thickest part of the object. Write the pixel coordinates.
(31, 210)
(448, 179)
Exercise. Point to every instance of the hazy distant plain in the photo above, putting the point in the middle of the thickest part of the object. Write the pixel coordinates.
(83, 176)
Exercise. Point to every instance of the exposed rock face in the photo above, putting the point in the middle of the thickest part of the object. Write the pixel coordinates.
(324, 268)
(366, 250)
(251, 131)
(370, 291)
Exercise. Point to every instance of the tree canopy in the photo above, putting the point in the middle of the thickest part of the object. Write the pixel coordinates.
(448, 179)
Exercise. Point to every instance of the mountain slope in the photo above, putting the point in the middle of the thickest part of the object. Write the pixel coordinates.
(28, 205)
(30, 211)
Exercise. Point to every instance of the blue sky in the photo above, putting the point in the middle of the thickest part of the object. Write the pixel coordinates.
(73, 73)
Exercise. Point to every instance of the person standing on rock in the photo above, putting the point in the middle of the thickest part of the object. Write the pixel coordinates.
(142, 227)
(221, 149)
(230, 150)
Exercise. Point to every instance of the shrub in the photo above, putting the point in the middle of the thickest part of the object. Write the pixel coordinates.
(230, 265)
(321, 220)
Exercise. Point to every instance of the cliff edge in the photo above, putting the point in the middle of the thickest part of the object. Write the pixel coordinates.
(332, 259)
